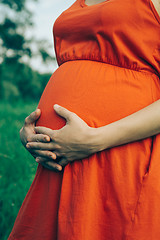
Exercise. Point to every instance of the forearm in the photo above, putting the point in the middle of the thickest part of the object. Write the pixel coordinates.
(137, 126)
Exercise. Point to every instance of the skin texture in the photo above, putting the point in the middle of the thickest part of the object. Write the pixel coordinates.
(92, 2)
(64, 142)
(55, 149)
(28, 134)
(157, 5)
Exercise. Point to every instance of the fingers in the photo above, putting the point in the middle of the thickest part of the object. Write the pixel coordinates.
(43, 130)
(44, 154)
(32, 117)
(42, 146)
(40, 138)
(63, 162)
(63, 112)
(51, 165)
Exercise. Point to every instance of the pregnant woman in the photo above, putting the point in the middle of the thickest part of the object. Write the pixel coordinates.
(103, 139)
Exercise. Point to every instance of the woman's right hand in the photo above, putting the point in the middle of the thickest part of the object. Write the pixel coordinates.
(28, 134)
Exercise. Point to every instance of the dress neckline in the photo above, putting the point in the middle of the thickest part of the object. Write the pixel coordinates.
(83, 3)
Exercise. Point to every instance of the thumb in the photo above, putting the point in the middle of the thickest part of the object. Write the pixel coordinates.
(63, 112)
(33, 117)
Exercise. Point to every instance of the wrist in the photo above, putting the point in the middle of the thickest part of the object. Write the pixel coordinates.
(108, 136)
(97, 139)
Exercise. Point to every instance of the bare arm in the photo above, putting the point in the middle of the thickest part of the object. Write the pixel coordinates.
(139, 125)
(157, 5)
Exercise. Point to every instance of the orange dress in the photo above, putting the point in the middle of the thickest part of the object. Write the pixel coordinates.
(109, 68)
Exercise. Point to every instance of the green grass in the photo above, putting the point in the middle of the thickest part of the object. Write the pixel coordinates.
(17, 166)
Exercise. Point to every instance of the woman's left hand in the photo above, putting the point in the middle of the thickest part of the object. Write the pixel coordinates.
(74, 141)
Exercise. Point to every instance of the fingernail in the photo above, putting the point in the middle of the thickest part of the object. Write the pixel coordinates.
(47, 139)
(59, 168)
(37, 160)
(53, 156)
(37, 110)
(28, 146)
(56, 106)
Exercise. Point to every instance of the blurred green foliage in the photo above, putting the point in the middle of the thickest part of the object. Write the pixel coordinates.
(20, 89)
(15, 19)
(17, 78)
(17, 5)
(17, 165)
(21, 82)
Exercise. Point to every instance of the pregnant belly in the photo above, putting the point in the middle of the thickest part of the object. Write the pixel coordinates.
(99, 93)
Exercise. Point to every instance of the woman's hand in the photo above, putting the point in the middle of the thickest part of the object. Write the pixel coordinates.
(72, 142)
(28, 134)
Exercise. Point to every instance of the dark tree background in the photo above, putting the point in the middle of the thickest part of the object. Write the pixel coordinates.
(18, 81)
